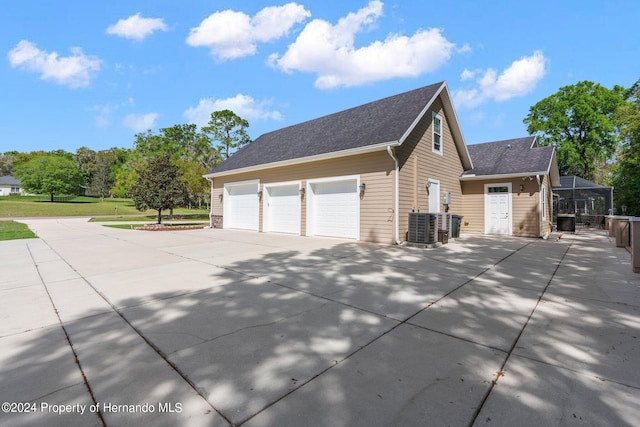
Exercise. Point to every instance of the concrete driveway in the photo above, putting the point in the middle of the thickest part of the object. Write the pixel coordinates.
(101, 326)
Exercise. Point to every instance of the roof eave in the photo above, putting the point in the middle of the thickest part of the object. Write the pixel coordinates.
(300, 160)
(501, 176)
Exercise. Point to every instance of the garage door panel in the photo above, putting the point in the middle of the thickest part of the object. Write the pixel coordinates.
(282, 209)
(241, 209)
(336, 209)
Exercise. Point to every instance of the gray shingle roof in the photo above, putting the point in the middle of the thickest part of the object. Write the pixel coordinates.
(9, 180)
(571, 182)
(377, 122)
(511, 156)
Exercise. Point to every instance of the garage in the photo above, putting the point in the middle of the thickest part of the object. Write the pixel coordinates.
(281, 208)
(241, 205)
(333, 208)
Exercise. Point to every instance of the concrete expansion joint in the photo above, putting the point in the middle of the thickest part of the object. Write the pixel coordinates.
(500, 372)
(68, 337)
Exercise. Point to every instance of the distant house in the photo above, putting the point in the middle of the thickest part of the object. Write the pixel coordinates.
(9, 186)
(358, 173)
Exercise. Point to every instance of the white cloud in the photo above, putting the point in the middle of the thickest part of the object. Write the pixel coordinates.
(140, 122)
(518, 79)
(230, 34)
(136, 27)
(329, 51)
(465, 48)
(468, 74)
(242, 105)
(105, 112)
(74, 71)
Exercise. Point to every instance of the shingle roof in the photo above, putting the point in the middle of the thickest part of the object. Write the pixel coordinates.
(377, 122)
(509, 157)
(9, 180)
(571, 182)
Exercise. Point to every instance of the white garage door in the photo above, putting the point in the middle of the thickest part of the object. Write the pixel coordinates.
(241, 205)
(282, 208)
(334, 209)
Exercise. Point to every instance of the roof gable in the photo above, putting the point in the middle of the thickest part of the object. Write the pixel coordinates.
(519, 156)
(371, 126)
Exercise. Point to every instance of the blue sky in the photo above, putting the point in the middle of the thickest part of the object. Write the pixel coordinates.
(84, 73)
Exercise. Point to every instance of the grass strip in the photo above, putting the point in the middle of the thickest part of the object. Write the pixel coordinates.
(11, 230)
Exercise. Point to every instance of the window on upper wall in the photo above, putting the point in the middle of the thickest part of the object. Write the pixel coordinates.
(437, 134)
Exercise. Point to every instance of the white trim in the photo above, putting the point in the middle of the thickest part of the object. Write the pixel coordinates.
(454, 125)
(500, 176)
(300, 160)
(309, 200)
(439, 151)
(422, 113)
(439, 202)
(510, 200)
(265, 203)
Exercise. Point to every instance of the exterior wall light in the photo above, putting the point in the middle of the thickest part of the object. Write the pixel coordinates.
(521, 188)
(259, 193)
(220, 196)
(363, 187)
(301, 191)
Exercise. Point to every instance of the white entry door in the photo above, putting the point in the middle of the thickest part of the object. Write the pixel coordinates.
(497, 209)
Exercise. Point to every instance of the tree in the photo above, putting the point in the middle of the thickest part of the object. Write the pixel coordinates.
(122, 172)
(229, 130)
(183, 141)
(50, 174)
(102, 179)
(85, 158)
(579, 120)
(158, 185)
(626, 171)
(6, 163)
(197, 187)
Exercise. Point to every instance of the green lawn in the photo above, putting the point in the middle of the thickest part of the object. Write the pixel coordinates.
(11, 230)
(39, 206)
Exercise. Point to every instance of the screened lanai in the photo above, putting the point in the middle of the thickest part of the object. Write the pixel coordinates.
(589, 201)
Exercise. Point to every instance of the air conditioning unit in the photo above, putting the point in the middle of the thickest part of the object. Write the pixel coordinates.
(422, 227)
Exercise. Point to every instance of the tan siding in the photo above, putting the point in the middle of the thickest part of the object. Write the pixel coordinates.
(374, 169)
(446, 168)
(473, 207)
(525, 206)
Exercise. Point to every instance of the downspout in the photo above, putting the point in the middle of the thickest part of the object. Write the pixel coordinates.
(396, 196)
(540, 208)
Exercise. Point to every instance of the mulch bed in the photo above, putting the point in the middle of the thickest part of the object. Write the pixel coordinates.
(168, 227)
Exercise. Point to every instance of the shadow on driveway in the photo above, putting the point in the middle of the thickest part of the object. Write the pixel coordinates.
(341, 335)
